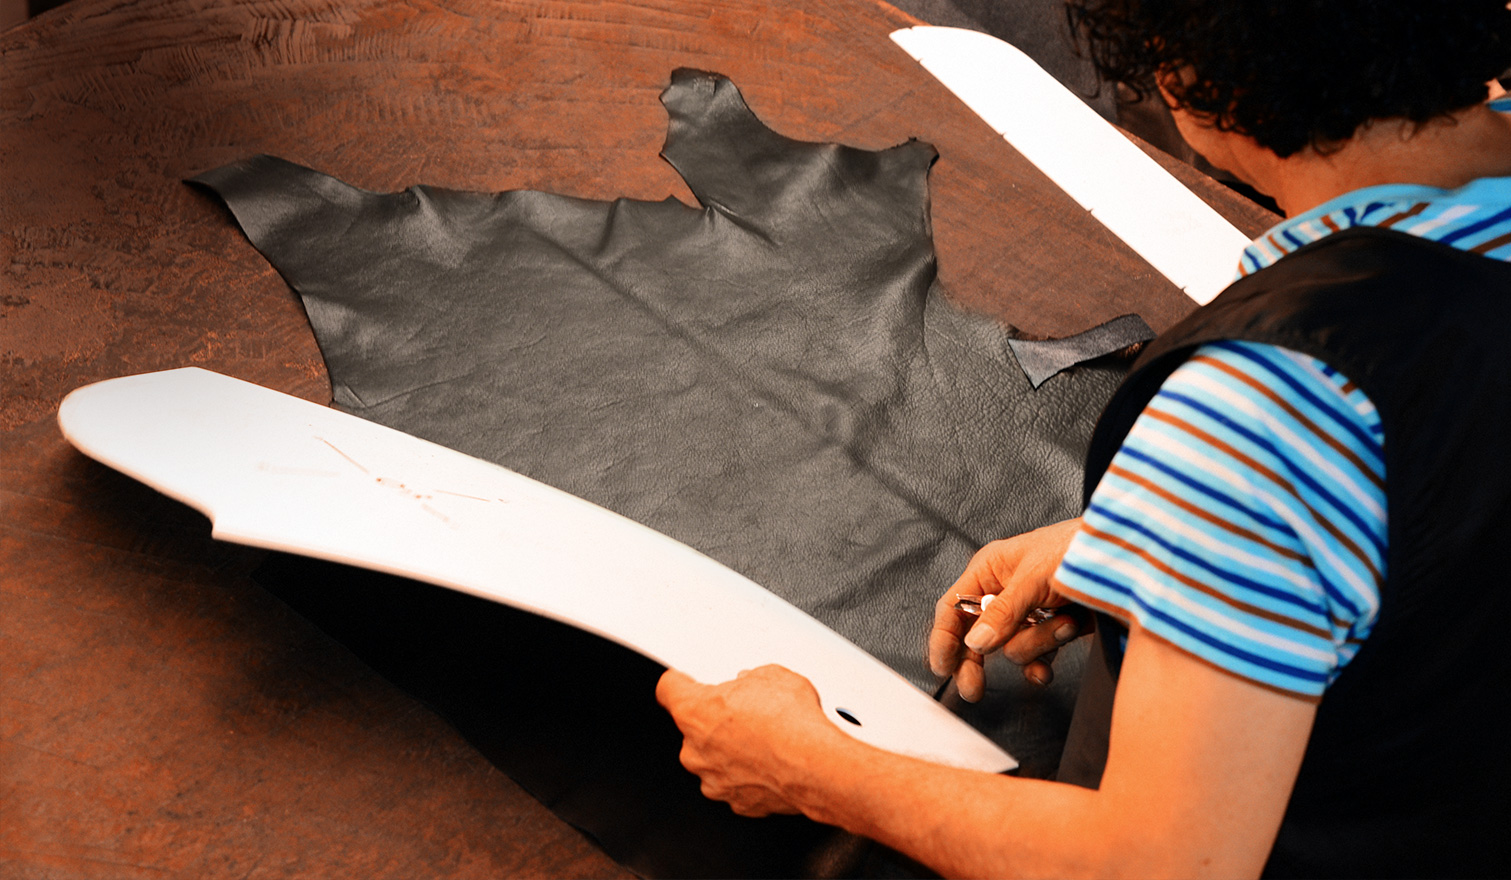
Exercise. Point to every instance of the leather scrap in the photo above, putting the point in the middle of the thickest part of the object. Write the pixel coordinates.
(1041, 359)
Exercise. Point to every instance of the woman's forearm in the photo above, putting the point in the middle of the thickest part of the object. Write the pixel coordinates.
(962, 823)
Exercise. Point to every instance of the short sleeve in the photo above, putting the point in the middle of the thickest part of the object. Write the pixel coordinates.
(1243, 520)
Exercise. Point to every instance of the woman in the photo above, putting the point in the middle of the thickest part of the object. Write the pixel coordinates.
(1298, 499)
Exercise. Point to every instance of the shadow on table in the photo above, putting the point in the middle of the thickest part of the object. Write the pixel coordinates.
(573, 718)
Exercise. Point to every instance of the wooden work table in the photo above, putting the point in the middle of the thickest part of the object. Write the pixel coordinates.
(161, 715)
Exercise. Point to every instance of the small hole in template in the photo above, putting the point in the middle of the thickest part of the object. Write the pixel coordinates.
(845, 714)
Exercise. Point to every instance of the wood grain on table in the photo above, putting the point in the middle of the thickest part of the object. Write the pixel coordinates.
(160, 714)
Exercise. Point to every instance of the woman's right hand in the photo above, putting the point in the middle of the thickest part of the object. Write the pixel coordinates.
(1018, 572)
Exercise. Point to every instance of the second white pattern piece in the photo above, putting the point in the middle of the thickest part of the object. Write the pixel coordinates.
(1141, 203)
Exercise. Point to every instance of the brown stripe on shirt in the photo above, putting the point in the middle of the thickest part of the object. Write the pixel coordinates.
(1163, 567)
(1332, 442)
(1488, 246)
(1171, 498)
(1269, 474)
(1129, 618)
(1080, 598)
(1393, 219)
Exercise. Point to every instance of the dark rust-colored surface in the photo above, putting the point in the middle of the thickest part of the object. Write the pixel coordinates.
(161, 715)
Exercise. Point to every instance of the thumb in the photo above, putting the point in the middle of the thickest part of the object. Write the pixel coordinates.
(675, 687)
(999, 620)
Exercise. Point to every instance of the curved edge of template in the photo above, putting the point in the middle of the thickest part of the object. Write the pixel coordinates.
(281, 473)
(1165, 223)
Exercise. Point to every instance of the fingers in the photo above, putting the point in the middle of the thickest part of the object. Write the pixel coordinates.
(1018, 572)
(977, 580)
(945, 650)
(1000, 620)
(1031, 642)
(1040, 672)
(1032, 647)
(970, 677)
(982, 577)
(739, 734)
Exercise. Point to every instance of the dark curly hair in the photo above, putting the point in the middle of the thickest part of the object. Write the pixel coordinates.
(1298, 73)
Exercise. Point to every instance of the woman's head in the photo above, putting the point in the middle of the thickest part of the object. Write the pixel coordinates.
(1298, 73)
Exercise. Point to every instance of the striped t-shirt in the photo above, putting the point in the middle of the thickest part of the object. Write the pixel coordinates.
(1243, 519)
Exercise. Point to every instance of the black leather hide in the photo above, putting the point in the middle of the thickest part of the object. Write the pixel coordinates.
(773, 377)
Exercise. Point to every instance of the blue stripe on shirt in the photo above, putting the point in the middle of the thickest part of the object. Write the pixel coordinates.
(1297, 469)
(1470, 229)
(1256, 659)
(1348, 421)
(1263, 589)
(1209, 491)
